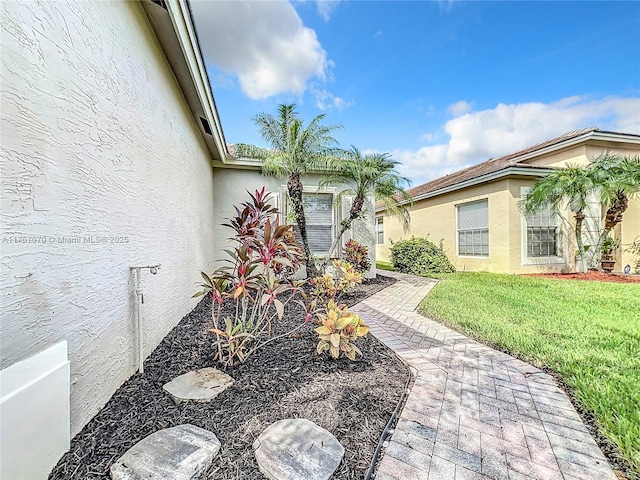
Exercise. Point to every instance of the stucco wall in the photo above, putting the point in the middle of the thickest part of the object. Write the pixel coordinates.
(102, 169)
(231, 186)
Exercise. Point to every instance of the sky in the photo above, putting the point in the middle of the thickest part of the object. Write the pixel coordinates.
(439, 85)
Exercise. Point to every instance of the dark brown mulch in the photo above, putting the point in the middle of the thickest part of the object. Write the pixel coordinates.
(353, 400)
(590, 276)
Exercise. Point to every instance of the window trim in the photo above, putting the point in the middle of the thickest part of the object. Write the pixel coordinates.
(457, 233)
(561, 241)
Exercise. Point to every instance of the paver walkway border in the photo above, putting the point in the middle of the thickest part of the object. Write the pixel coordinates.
(473, 412)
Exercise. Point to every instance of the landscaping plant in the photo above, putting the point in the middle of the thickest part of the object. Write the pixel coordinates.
(420, 256)
(331, 287)
(363, 175)
(255, 279)
(338, 330)
(357, 255)
(294, 150)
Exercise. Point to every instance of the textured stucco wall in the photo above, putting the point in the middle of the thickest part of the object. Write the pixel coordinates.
(102, 168)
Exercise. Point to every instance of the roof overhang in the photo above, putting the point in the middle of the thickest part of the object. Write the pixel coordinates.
(592, 136)
(173, 26)
(489, 177)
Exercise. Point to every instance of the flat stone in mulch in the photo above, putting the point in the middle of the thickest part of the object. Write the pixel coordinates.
(286, 379)
(198, 385)
(178, 453)
(297, 449)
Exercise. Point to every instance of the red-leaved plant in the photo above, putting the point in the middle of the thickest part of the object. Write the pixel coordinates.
(256, 278)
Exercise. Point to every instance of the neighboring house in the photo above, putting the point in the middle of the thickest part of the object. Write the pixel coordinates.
(475, 212)
(112, 156)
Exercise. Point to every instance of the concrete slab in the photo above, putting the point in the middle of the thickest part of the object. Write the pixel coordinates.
(297, 449)
(178, 453)
(199, 385)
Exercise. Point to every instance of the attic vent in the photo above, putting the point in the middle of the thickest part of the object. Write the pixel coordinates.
(206, 126)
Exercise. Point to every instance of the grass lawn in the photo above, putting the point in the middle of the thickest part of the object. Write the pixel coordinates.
(384, 265)
(588, 333)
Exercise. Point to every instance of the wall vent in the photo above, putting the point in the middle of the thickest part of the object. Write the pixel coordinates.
(206, 126)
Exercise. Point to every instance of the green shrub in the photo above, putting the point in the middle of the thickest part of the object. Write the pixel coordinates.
(419, 256)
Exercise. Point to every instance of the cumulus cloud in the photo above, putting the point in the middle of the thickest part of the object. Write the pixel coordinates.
(477, 136)
(264, 44)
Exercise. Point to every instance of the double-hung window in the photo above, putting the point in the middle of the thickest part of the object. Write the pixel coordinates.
(380, 230)
(542, 233)
(473, 229)
(318, 209)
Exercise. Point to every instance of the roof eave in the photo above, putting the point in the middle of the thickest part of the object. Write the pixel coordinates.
(173, 26)
(489, 177)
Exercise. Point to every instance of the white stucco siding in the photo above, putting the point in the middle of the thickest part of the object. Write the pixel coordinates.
(102, 168)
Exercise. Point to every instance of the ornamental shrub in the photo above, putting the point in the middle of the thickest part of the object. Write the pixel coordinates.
(357, 255)
(419, 256)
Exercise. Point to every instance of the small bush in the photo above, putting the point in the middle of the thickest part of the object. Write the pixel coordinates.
(338, 330)
(419, 256)
(357, 255)
(327, 287)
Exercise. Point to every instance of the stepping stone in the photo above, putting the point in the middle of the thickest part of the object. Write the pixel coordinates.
(297, 449)
(199, 385)
(178, 453)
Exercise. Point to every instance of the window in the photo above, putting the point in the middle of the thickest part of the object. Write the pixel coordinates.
(473, 229)
(318, 209)
(380, 230)
(542, 233)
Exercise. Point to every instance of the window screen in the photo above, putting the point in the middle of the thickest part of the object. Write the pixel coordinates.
(542, 233)
(318, 210)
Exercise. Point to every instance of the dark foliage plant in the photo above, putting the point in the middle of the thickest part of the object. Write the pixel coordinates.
(357, 255)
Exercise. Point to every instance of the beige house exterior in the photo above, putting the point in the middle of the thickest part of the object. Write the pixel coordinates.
(475, 212)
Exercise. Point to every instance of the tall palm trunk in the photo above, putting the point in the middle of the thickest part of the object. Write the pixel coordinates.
(580, 216)
(354, 213)
(612, 218)
(294, 186)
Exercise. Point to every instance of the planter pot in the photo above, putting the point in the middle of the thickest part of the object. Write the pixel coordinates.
(607, 265)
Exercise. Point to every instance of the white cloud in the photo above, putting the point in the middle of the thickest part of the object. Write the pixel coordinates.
(478, 136)
(459, 108)
(325, 100)
(264, 44)
(326, 8)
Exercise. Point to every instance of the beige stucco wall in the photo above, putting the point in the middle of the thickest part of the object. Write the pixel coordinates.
(102, 168)
(436, 217)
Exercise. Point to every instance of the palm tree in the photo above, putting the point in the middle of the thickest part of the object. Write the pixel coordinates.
(572, 184)
(363, 175)
(293, 150)
(617, 178)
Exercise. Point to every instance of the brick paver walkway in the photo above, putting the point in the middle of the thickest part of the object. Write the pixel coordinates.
(474, 412)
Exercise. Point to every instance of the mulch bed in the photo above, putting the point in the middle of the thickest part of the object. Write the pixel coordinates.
(591, 275)
(286, 379)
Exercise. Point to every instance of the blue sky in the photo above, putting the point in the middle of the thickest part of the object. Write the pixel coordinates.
(439, 85)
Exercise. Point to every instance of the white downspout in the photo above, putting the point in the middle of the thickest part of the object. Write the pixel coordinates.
(139, 299)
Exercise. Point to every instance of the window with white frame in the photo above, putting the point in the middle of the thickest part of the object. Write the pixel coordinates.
(318, 210)
(473, 229)
(379, 230)
(542, 233)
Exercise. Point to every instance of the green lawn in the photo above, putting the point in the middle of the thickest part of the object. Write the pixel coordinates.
(384, 265)
(586, 332)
